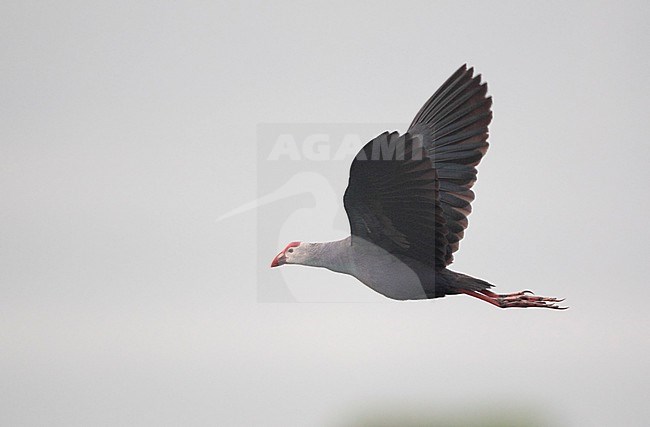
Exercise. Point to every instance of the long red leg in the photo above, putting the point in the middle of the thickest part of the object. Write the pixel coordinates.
(520, 299)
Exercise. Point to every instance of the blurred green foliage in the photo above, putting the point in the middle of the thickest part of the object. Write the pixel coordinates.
(504, 416)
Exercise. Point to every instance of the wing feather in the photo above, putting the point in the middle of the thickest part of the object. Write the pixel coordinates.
(417, 204)
(392, 199)
(453, 128)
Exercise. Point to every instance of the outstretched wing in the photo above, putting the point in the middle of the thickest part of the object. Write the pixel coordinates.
(392, 199)
(453, 128)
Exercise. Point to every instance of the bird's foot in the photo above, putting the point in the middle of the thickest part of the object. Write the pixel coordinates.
(519, 299)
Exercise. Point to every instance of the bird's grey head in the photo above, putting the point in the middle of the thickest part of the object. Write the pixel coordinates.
(294, 253)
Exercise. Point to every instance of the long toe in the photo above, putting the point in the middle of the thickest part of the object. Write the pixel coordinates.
(525, 304)
(521, 299)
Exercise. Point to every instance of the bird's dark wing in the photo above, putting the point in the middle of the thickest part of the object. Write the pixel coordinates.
(453, 128)
(392, 199)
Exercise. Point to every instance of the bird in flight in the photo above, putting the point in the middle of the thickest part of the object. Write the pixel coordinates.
(407, 202)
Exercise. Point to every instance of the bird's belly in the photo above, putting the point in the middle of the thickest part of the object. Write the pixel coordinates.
(393, 277)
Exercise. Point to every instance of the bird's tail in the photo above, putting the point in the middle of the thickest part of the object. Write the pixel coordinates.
(464, 282)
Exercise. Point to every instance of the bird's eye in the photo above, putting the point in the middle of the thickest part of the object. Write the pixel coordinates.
(290, 250)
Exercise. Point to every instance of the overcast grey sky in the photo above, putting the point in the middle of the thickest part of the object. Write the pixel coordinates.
(127, 128)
